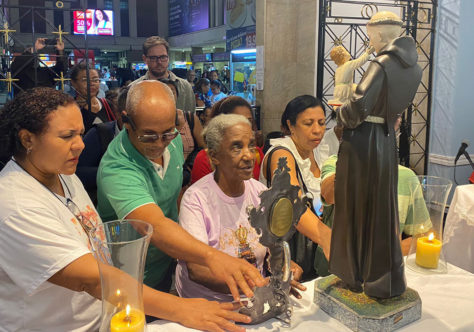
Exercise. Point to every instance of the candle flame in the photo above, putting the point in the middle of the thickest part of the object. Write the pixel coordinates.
(127, 310)
(431, 237)
(118, 292)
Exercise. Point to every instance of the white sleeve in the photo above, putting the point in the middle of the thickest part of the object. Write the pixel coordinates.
(359, 62)
(191, 217)
(35, 244)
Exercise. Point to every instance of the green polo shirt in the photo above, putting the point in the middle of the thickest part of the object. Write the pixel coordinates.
(413, 214)
(127, 180)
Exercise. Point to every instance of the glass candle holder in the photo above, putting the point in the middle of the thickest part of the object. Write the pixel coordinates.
(120, 248)
(426, 249)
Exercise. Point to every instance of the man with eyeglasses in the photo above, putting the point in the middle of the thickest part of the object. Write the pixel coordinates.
(140, 177)
(155, 55)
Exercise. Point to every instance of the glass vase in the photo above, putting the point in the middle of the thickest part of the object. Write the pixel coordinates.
(426, 249)
(120, 248)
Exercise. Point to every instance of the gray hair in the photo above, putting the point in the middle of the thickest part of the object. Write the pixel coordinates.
(135, 94)
(215, 130)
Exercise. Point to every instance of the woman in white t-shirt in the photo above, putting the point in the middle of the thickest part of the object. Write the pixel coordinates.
(49, 279)
(214, 209)
(305, 120)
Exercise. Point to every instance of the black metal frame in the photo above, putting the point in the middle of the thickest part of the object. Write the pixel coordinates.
(34, 10)
(420, 22)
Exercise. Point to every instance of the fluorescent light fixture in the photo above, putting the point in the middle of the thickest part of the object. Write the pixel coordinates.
(248, 50)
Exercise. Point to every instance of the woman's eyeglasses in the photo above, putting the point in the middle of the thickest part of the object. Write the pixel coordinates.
(85, 223)
(102, 252)
(92, 80)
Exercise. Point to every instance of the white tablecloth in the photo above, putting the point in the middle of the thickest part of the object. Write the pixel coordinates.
(447, 305)
(458, 235)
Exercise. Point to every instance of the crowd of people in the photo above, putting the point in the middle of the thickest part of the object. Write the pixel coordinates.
(147, 156)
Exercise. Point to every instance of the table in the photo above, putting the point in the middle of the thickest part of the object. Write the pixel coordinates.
(458, 235)
(447, 305)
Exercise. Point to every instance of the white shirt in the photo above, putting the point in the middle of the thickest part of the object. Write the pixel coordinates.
(222, 222)
(321, 153)
(329, 143)
(161, 170)
(38, 237)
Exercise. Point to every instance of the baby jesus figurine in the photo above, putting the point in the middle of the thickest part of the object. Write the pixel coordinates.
(344, 73)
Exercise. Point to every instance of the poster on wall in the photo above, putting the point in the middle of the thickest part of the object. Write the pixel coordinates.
(240, 38)
(98, 22)
(187, 16)
(239, 13)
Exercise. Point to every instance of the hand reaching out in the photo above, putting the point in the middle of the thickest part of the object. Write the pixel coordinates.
(235, 272)
(40, 43)
(211, 316)
(297, 272)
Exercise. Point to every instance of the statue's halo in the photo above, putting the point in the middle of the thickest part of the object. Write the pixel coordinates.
(385, 18)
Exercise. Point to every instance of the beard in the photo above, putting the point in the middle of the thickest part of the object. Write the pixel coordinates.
(159, 73)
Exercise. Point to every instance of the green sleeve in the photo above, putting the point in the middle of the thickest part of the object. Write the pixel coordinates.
(414, 216)
(121, 190)
(320, 262)
(329, 167)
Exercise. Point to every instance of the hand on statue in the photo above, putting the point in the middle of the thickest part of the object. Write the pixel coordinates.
(235, 272)
(297, 272)
(205, 315)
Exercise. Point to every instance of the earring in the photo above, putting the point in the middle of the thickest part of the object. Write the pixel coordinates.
(28, 150)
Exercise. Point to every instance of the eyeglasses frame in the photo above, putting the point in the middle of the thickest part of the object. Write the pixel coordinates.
(162, 137)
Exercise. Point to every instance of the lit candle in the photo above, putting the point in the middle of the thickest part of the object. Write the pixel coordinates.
(427, 251)
(128, 320)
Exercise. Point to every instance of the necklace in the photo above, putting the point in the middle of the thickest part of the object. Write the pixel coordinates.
(70, 205)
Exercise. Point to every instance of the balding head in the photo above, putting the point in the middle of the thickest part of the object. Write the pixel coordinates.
(148, 91)
(382, 28)
(151, 110)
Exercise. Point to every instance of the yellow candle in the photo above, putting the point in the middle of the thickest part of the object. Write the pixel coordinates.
(427, 251)
(128, 320)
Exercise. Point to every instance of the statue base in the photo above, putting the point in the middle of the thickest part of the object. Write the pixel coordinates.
(362, 313)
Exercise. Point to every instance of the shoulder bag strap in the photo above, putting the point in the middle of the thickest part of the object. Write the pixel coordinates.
(297, 169)
(108, 110)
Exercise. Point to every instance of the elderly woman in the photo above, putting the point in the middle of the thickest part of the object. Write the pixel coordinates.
(214, 210)
(45, 254)
(305, 120)
(100, 110)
